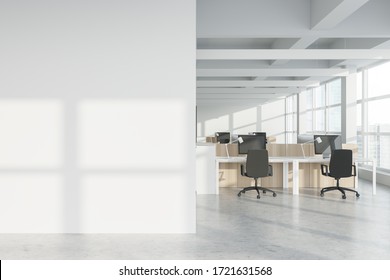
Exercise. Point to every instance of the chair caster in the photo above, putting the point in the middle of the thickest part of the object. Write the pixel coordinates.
(258, 196)
(357, 195)
(322, 194)
(264, 191)
(239, 194)
(344, 196)
(243, 191)
(274, 195)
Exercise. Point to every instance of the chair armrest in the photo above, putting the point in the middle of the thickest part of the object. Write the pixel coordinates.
(243, 173)
(353, 170)
(324, 170)
(270, 170)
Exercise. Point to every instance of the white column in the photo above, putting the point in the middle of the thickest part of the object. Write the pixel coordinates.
(348, 108)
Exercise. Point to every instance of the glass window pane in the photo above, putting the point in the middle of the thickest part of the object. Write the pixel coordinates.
(334, 91)
(359, 116)
(378, 77)
(308, 119)
(379, 149)
(309, 100)
(359, 86)
(319, 96)
(359, 140)
(372, 146)
(384, 152)
(378, 111)
(320, 120)
(334, 119)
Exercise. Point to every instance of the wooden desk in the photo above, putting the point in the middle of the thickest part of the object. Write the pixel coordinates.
(295, 161)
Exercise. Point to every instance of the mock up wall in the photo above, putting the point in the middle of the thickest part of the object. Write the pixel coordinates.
(97, 113)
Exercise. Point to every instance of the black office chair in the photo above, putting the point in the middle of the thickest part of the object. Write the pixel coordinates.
(340, 166)
(257, 167)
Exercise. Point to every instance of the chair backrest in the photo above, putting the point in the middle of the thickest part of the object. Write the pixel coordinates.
(257, 163)
(340, 165)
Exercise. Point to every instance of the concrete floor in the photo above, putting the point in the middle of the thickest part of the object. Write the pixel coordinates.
(283, 227)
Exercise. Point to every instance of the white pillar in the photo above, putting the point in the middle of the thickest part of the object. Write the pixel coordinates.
(348, 108)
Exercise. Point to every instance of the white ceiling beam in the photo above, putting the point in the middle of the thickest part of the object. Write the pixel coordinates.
(302, 43)
(267, 83)
(338, 63)
(213, 102)
(328, 14)
(236, 96)
(293, 54)
(263, 90)
(272, 72)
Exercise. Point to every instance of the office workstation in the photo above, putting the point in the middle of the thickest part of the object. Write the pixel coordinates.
(294, 165)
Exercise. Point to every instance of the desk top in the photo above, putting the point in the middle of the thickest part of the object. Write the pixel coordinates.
(240, 159)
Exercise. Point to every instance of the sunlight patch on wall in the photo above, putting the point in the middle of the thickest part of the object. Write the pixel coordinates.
(113, 216)
(217, 124)
(244, 117)
(31, 133)
(37, 196)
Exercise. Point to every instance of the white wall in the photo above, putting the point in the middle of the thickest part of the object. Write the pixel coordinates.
(273, 119)
(241, 119)
(227, 117)
(86, 87)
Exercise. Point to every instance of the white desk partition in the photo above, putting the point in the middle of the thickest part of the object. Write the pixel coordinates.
(295, 163)
(358, 161)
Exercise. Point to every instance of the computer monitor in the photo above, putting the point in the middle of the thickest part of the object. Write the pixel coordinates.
(251, 142)
(327, 145)
(259, 133)
(223, 137)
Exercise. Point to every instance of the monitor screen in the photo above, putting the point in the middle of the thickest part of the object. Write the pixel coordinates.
(223, 137)
(251, 142)
(327, 145)
(259, 133)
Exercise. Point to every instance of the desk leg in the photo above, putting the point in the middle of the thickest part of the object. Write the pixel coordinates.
(295, 177)
(217, 177)
(373, 177)
(357, 176)
(285, 175)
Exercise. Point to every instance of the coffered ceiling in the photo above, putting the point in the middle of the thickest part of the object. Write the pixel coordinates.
(260, 50)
